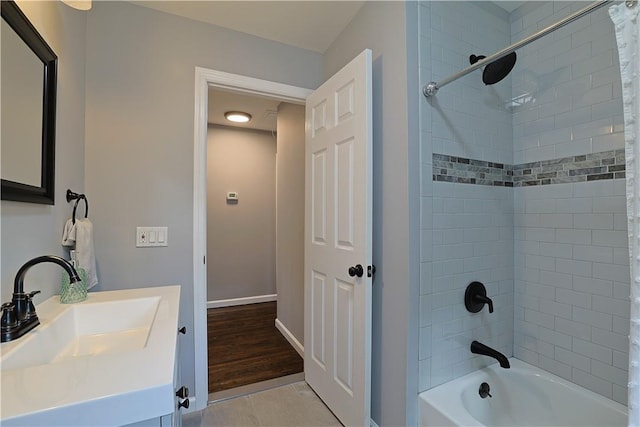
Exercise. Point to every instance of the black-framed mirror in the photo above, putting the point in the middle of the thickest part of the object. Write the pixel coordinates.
(29, 79)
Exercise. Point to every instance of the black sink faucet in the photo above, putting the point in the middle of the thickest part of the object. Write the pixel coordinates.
(19, 316)
(479, 348)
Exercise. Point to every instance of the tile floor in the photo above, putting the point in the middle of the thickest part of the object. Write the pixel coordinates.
(294, 405)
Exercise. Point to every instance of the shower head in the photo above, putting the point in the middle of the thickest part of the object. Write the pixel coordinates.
(496, 70)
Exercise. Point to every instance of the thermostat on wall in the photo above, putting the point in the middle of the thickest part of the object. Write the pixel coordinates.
(232, 197)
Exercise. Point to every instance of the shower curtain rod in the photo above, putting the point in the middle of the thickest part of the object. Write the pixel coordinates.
(430, 89)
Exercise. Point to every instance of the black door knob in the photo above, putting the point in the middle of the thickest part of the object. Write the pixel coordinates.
(356, 270)
(183, 330)
(184, 404)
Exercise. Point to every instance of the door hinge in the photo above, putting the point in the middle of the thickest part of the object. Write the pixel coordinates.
(371, 270)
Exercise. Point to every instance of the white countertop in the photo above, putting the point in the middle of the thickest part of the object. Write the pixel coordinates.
(114, 388)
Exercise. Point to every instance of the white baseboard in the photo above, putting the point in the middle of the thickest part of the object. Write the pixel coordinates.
(289, 336)
(241, 301)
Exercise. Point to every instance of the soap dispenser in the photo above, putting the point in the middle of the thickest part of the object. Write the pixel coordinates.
(74, 292)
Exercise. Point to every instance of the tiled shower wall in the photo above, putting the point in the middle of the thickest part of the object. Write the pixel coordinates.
(571, 253)
(569, 276)
(467, 230)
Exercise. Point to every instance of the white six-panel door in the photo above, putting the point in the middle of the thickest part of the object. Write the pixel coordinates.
(337, 337)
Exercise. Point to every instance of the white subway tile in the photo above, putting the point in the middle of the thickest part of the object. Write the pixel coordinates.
(607, 109)
(621, 256)
(424, 374)
(425, 310)
(593, 221)
(610, 305)
(617, 273)
(572, 328)
(425, 342)
(593, 318)
(593, 286)
(539, 234)
(593, 351)
(621, 291)
(572, 359)
(609, 373)
(610, 204)
(573, 236)
(595, 63)
(620, 222)
(575, 267)
(556, 309)
(620, 394)
(556, 279)
(617, 239)
(538, 318)
(593, 253)
(557, 250)
(610, 339)
(593, 383)
(556, 338)
(573, 148)
(555, 367)
(575, 205)
(621, 359)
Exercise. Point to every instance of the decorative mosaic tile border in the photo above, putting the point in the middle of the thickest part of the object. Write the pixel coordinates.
(588, 167)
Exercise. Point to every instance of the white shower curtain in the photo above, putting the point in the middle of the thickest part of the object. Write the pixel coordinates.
(626, 18)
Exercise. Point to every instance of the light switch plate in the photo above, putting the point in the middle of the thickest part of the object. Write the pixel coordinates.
(151, 237)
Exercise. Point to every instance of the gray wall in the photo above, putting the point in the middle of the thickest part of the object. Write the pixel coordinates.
(290, 218)
(241, 237)
(390, 30)
(30, 230)
(139, 135)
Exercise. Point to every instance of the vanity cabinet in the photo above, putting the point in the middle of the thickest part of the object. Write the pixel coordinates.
(112, 359)
(181, 395)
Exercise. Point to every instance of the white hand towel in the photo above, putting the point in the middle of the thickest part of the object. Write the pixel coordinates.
(80, 234)
(69, 233)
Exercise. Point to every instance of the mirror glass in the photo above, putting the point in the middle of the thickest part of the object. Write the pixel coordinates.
(21, 109)
(28, 72)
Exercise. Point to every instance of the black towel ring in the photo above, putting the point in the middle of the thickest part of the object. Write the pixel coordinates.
(77, 197)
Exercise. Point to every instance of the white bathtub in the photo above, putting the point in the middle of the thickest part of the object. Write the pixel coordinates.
(522, 396)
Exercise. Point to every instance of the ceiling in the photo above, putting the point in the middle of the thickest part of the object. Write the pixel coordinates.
(263, 110)
(312, 25)
(509, 6)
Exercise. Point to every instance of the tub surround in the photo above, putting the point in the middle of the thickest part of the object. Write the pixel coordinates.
(123, 376)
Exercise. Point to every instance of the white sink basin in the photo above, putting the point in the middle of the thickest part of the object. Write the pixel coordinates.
(86, 330)
(109, 360)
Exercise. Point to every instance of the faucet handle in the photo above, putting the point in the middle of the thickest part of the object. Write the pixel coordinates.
(475, 297)
(8, 319)
(31, 309)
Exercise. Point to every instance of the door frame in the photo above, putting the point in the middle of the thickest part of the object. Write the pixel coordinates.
(204, 79)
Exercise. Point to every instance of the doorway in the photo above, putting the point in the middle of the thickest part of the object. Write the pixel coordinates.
(337, 231)
(253, 239)
(206, 79)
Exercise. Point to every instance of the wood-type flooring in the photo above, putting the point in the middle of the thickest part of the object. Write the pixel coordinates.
(245, 347)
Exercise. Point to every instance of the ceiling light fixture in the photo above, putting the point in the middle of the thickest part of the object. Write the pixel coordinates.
(237, 116)
(78, 4)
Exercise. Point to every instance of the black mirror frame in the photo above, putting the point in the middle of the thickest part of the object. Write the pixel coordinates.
(17, 191)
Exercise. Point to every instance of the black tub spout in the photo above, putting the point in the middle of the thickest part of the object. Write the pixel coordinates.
(479, 348)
